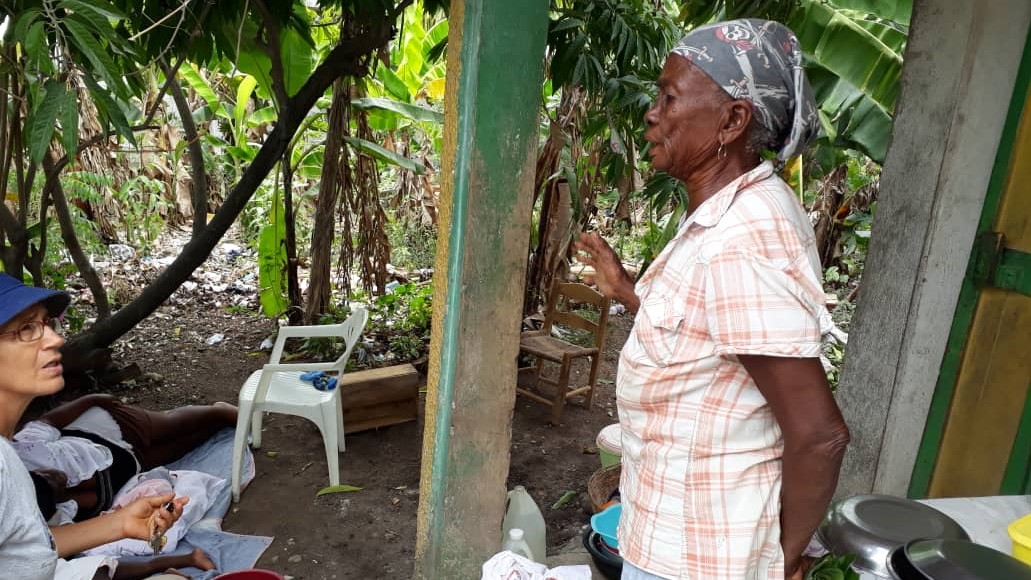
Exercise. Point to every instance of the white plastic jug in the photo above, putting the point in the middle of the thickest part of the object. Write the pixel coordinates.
(523, 513)
(516, 544)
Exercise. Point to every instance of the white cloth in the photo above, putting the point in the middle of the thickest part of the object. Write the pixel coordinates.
(27, 550)
(99, 422)
(65, 513)
(511, 566)
(41, 446)
(201, 488)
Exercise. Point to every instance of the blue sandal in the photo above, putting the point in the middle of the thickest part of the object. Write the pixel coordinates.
(320, 380)
(324, 383)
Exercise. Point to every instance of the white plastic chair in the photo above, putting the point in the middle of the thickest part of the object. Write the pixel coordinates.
(278, 388)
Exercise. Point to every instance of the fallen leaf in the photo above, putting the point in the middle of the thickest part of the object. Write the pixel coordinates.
(565, 499)
(337, 489)
(272, 454)
(395, 501)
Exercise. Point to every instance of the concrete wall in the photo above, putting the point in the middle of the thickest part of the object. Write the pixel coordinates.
(961, 63)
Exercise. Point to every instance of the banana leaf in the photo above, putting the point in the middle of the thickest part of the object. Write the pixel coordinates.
(385, 155)
(851, 118)
(839, 43)
(895, 10)
(406, 110)
(272, 262)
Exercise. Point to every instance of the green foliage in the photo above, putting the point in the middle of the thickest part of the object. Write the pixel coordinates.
(614, 50)
(409, 308)
(413, 245)
(42, 121)
(399, 320)
(272, 263)
(832, 567)
(384, 155)
(238, 310)
(402, 319)
(407, 347)
(854, 62)
(405, 110)
(97, 49)
(142, 205)
(74, 320)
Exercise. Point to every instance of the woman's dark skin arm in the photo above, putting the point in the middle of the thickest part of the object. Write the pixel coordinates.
(163, 564)
(815, 437)
(65, 414)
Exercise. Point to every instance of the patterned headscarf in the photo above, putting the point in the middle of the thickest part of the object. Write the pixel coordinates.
(761, 61)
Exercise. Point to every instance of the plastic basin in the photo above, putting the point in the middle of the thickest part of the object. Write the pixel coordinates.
(609, 564)
(1020, 533)
(250, 575)
(606, 523)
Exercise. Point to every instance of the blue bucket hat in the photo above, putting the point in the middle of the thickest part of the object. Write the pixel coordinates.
(16, 297)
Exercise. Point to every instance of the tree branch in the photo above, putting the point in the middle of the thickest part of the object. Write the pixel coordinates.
(34, 261)
(274, 47)
(8, 221)
(71, 240)
(169, 79)
(199, 176)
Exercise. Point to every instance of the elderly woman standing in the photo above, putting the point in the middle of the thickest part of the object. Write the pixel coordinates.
(732, 441)
(30, 366)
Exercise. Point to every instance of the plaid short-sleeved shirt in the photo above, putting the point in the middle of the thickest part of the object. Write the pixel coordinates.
(701, 447)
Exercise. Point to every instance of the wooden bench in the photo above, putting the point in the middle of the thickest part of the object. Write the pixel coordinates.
(379, 397)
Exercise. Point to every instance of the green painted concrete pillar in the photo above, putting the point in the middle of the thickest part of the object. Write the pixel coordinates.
(495, 73)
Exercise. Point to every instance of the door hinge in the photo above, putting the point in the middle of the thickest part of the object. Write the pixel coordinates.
(995, 265)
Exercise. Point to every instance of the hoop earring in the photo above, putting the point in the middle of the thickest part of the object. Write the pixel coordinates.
(721, 153)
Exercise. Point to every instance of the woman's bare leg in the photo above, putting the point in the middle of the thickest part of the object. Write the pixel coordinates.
(176, 432)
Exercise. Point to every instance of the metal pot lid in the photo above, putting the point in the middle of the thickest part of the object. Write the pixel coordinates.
(871, 526)
(959, 560)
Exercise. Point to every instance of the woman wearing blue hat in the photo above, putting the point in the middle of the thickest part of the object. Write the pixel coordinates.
(30, 366)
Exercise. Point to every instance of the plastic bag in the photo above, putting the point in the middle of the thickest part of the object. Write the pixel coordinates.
(509, 566)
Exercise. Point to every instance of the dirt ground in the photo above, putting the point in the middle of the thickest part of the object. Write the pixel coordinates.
(368, 533)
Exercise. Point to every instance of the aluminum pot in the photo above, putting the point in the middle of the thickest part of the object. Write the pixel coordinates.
(953, 560)
(871, 526)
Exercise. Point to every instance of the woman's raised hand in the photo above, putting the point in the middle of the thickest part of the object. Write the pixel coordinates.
(612, 280)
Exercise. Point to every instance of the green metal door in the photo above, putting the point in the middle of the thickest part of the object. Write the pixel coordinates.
(977, 440)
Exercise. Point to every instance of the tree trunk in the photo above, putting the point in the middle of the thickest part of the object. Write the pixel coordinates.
(293, 286)
(197, 171)
(35, 261)
(822, 214)
(557, 236)
(71, 241)
(569, 111)
(347, 58)
(324, 231)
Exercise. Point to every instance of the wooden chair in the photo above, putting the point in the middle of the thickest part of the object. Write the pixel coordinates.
(546, 347)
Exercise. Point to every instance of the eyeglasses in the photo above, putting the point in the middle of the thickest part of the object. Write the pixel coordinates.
(33, 330)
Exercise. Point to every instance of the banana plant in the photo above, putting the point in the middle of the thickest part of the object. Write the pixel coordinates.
(406, 94)
(854, 52)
